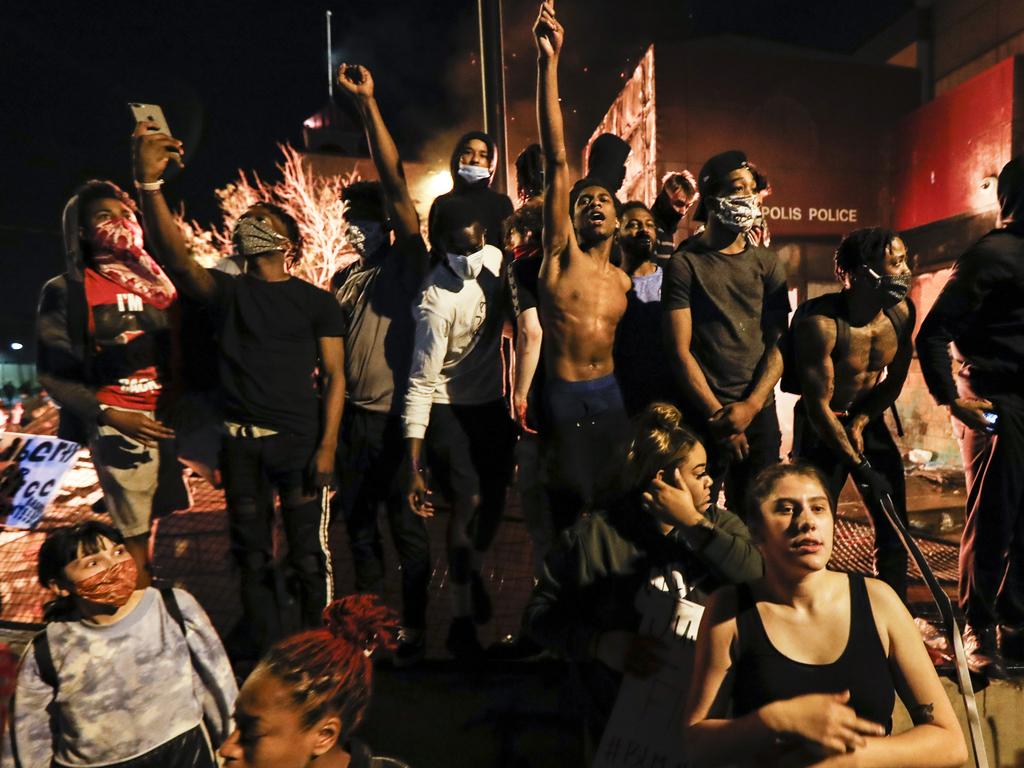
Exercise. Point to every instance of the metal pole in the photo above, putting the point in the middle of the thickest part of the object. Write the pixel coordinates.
(330, 68)
(492, 71)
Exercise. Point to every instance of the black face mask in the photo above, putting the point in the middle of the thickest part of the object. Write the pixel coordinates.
(893, 288)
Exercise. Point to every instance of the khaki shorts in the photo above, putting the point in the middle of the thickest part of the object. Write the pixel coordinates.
(129, 473)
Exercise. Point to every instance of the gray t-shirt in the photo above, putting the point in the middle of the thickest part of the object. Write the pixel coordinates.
(732, 299)
(377, 299)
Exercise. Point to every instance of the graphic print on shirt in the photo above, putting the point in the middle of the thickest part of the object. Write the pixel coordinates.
(131, 338)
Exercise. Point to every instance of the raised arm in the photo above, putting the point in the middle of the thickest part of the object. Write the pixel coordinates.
(358, 83)
(151, 153)
(548, 34)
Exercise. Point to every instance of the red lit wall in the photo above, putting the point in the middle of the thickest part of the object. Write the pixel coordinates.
(943, 151)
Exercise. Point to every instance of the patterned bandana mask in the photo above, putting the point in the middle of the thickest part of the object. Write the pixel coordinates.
(253, 237)
(894, 288)
(366, 237)
(110, 587)
(120, 256)
(740, 214)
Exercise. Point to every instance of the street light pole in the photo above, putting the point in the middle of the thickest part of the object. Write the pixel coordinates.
(492, 71)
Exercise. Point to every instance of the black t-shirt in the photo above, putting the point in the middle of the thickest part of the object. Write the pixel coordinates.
(523, 281)
(641, 361)
(268, 336)
(733, 299)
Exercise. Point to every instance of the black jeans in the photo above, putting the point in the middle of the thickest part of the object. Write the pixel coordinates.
(765, 442)
(890, 556)
(469, 450)
(584, 433)
(252, 467)
(992, 545)
(370, 456)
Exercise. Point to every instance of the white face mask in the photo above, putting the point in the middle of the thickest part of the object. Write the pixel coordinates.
(366, 237)
(473, 173)
(467, 267)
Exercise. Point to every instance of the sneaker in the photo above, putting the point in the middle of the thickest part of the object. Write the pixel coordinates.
(462, 642)
(983, 656)
(481, 601)
(412, 646)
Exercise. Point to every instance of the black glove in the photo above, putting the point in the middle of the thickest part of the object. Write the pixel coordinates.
(871, 483)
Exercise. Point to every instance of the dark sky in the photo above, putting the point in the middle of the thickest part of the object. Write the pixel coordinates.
(235, 78)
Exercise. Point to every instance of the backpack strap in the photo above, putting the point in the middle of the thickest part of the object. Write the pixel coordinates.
(842, 346)
(44, 660)
(171, 604)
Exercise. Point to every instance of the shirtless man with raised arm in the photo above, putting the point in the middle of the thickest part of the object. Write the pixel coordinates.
(582, 299)
(843, 343)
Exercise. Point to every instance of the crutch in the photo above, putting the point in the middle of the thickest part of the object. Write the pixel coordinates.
(949, 624)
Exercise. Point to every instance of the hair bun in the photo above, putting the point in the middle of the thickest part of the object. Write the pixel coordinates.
(663, 416)
(363, 621)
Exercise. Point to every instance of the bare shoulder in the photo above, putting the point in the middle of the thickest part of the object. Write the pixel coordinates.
(819, 327)
(890, 614)
(722, 606)
(624, 279)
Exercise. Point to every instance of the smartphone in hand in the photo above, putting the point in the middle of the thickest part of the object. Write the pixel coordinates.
(150, 113)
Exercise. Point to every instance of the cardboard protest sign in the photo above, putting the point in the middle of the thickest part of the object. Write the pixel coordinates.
(31, 469)
(645, 729)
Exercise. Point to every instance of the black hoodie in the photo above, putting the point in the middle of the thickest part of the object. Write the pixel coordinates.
(491, 207)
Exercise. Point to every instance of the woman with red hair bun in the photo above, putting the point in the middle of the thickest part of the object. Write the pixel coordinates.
(309, 692)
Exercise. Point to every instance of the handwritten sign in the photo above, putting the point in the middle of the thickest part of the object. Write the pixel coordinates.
(31, 469)
(645, 729)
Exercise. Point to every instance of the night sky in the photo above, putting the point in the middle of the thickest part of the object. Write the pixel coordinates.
(236, 78)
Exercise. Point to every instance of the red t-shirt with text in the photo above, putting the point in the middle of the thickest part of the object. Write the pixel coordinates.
(132, 344)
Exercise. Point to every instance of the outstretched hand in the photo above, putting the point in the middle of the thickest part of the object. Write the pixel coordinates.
(356, 80)
(548, 33)
(152, 151)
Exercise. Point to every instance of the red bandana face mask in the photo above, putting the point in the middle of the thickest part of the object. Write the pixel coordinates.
(119, 235)
(110, 587)
(525, 250)
(119, 254)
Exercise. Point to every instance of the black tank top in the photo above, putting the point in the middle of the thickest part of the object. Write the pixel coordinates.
(764, 675)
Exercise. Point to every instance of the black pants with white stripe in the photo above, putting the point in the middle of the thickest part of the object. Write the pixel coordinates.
(255, 467)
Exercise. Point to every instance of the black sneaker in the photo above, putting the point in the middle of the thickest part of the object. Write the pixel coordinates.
(983, 656)
(480, 600)
(462, 642)
(412, 646)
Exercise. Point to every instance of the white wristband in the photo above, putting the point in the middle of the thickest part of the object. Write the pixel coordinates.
(149, 186)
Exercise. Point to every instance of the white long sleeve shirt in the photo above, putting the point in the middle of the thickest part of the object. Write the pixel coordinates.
(457, 348)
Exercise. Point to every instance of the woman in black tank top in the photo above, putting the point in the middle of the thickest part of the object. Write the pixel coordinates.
(811, 659)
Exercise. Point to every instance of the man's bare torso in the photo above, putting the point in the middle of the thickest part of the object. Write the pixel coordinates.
(580, 309)
(872, 348)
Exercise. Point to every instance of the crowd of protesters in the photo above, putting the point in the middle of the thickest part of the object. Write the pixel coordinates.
(641, 397)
